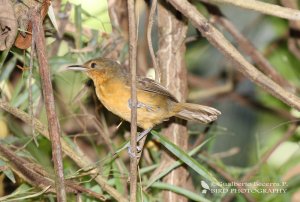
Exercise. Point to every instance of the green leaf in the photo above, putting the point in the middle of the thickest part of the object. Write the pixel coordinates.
(118, 178)
(23, 192)
(147, 169)
(9, 67)
(191, 195)
(8, 173)
(3, 58)
(52, 18)
(183, 156)
(78, 26)
(175, 164)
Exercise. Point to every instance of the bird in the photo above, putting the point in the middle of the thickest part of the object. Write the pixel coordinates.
(155, 104)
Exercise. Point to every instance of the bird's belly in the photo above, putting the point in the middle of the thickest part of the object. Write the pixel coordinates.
(152, 108)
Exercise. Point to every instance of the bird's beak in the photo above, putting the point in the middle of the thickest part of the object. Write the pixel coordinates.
(76, 68)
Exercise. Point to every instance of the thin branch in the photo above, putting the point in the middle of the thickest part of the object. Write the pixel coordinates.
(149, 39)
(61, 29)
(294, 28)
(75, 154)
(30, 90)
(37, 176)
(217, 39)
(25, 170)
(54, 128)
(245, 45)
(262, 7)
(132, 63)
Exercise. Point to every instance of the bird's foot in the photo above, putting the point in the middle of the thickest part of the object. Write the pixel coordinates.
(138, 152)
(140, 105)
(138, 149)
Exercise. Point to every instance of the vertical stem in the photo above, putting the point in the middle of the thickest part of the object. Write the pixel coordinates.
(78, 25)
(172, 32)
(149, 39)
(53, 124)
(132, 63)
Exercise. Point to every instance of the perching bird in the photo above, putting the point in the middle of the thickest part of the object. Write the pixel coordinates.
(155, 103)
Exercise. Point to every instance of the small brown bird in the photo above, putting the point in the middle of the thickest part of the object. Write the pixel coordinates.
(155, 103)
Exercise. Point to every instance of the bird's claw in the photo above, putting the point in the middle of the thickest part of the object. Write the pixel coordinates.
(132, 155)
(138, 149)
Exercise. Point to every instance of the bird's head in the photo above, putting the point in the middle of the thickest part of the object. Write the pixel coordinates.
(99, 68)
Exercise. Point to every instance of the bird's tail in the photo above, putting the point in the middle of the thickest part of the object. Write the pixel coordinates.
(195, 112)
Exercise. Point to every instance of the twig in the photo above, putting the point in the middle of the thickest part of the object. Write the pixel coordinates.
(219, 41)
(262, 7)
(75, 154)
(37, 176)
(149, 39)
(262, 63)
(30, 90)
(54, 128)
(24, 170)
(294, 28)
(132, 64)
(61, 30)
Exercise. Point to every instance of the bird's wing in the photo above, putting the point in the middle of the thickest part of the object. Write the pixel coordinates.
(150, 85)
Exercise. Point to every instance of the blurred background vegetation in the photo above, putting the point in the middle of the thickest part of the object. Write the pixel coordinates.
(252, 120)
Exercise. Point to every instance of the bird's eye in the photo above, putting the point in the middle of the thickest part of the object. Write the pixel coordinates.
(93, 65)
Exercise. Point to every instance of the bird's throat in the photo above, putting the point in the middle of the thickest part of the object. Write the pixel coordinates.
(98, 77)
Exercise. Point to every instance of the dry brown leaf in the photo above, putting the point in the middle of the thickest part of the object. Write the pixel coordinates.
(24, 38)
(8, 25)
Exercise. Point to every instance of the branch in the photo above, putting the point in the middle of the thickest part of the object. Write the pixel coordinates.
(54, 128)
(262, 7)
(132, 63)
(75, 154)
(149, 39)
(247, 47)
(37, 176)
(294, 27)
(219, 41)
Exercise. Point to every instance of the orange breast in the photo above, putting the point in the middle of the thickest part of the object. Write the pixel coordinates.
(152, 108)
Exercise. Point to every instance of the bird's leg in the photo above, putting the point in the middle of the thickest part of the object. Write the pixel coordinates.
(139, 149)
(140, 105)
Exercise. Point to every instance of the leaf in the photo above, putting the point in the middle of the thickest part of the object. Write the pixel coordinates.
(8, 173)
(176, 164)
(9, 66)
(191, 195)
(8, 25)
(22, 8)
(183, 156)
(51, 15)
(23, 189)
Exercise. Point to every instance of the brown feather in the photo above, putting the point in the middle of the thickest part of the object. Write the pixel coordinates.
(195, 112)
(149, 85)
